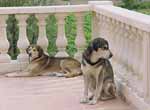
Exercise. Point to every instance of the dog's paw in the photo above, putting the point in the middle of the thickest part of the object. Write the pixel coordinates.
(92, 102)
(11, 75)
(59, 74)
(84, 100)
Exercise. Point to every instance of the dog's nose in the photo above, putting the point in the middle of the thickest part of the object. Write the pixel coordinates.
(110, 55)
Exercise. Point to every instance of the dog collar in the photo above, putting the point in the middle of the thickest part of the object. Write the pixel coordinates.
(99, 62)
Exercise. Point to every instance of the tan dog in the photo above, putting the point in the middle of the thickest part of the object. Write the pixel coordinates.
(98, 73)
(42, 64)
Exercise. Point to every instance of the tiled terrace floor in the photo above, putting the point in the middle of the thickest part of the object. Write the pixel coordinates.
(49, 93)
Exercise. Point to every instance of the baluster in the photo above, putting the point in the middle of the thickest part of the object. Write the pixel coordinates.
(99, 28)
(131, 49)
(122, 25)
(95, 25)
(140, 56)
(114, 31)
(127, 45)
(134, 55)
(103, 27)
(120, 41)
(108, 30)
(110, 34)
(42, 39)
(98, 25)
(117, 40)
(4, 44)
(125, 53)
(61, 41)
(80, 39)
(123, 47)
(23, 42)
(146, 65)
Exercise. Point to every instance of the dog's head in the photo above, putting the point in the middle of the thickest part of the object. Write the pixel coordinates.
(99, 48)
(34, 51)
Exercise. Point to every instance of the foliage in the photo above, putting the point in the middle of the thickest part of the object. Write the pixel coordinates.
(87, 27)
(129, 4)
(70, 31)
(32, 29)
(137, 5)
(145, 11)
(144, 5)
(12, 35)
(51, 31)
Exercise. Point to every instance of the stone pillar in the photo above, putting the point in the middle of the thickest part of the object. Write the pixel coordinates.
(42, 39)
(95, 25)
(61, 41)
(23, 42)
(4, 44)
(80, 39)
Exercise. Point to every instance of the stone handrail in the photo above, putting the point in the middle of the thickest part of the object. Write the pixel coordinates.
(126, 16)
(44, 9)
(128, 33)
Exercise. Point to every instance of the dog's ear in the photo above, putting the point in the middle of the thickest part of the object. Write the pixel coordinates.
(27, 49)
(40, 50)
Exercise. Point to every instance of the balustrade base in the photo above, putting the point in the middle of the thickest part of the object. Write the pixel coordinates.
(23, 58)
(61, 54)
(131, 97)
(13, 66)
(126, 91)
(78, 56)
(4, 58)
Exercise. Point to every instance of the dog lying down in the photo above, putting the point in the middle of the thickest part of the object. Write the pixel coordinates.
(98, 73)
(41, 64)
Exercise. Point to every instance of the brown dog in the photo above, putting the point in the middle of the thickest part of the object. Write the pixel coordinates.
(42, 64)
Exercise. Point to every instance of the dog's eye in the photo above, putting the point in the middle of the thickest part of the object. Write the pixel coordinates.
(105, 48)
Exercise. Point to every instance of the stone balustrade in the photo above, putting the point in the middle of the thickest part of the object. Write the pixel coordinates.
(128, 33)
(41, 13)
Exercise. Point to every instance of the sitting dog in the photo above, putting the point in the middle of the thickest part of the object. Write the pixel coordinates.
(97, 72)
(42, 64)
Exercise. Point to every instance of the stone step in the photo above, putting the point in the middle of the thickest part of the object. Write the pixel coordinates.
(49, 93)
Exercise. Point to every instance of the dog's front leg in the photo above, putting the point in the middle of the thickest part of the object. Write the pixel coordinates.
(98, 90)
(85, 98)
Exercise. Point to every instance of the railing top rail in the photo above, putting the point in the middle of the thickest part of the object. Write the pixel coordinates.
(132, 18)
(44, 9)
